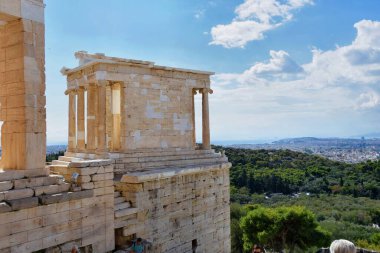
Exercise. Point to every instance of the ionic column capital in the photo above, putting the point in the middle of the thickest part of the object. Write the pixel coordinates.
(71, 91)
(103, 83)
(206, 90)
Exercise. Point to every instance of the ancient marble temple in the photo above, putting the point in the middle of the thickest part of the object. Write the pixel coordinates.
(132, 167)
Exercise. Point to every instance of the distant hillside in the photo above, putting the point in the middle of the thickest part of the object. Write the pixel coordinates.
(288, 172)
(332, 142)
(50, 149)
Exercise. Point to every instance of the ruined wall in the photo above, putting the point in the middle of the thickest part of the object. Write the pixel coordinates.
(177, 207)
(43, 212)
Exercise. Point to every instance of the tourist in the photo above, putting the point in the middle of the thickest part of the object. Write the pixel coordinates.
(258, 249)
(138, 246)
(75, 249)
(342, 246)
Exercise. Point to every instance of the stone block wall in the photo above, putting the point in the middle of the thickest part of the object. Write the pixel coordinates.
(43, 215)
(179, 208)
(158, 112)
(22, 86)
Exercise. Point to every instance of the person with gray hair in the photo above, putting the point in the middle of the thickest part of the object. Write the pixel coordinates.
(342, 246)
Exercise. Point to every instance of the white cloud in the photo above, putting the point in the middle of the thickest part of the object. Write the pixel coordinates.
(357, 63)
(253, 19)
(279, 67)
(368, 100)
(368, 33)
(199, 13)
(239, 33)
(334, 89)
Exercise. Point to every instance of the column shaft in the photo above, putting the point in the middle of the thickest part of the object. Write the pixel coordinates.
(102, 142)
(193, 93)
(80, 121)
(72, 122)
(205, 120)
(116, 106)
(91, 118)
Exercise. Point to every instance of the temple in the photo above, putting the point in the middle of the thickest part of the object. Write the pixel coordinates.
(132, 168)
(132, 106)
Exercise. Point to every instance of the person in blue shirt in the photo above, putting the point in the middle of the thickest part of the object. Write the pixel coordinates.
(138, 247)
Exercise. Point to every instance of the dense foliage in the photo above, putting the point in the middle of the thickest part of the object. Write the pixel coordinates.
(287, 172)
(345, 198)
(54, 156)
(281, 228)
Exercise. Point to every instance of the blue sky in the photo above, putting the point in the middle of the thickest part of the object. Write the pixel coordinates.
(284, 68)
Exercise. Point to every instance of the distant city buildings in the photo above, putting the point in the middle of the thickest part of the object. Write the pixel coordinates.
(343, 150)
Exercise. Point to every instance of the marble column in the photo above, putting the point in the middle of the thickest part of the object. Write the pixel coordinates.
(193, 93)
(91, 117)
(116, 117)
(109, 120)
(102, 139)
(72, 140)
(81, 144)
(205, 120)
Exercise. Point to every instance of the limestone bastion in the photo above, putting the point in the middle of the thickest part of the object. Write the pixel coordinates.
(132, 167)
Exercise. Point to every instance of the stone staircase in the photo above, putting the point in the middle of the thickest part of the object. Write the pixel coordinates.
(125, 214)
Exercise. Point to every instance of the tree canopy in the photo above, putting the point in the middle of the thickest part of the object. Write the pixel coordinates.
(282, 228)
(288, 172)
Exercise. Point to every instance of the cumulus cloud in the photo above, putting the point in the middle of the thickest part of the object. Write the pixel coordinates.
(368, 33)
(279, 67)
(337, 85)
(253, 19)
(357, 63)
(368, 100)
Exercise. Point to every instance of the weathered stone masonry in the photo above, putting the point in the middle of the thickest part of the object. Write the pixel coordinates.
(176, 210)
(132, 168)
(142, 117)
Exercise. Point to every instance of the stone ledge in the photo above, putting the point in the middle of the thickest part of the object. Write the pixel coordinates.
(63, 197)
(8, 175)
(126, 212)
(90, 163)
(29, 202)
(156, 174)
(18, 204)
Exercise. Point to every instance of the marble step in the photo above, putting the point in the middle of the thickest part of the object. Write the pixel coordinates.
(59, 162)
(119, 200)
(125, 212)
(139, 153)
(166, 153)
(188, 162)
(122, 205)
(166, 158)
(69, 159)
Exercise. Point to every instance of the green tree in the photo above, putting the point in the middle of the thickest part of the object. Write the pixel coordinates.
(282, 228)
